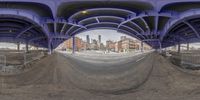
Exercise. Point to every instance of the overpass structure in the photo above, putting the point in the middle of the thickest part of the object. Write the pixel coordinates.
(47, 23)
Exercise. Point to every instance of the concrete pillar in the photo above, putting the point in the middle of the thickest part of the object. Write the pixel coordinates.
(18, 46)
(188, 46)
(26, 48)
(49, 46)
(73, 44)
(179, 47)
(160, 47)
(142, 47)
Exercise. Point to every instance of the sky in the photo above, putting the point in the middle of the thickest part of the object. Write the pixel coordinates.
(10, 45)
(106, 34)
(196, 45)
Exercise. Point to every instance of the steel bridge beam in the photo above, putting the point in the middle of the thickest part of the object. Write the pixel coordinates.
(23, 31)
(193, 27)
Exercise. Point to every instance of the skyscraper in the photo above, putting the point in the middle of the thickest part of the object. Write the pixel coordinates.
(88, 39)
(99, 39)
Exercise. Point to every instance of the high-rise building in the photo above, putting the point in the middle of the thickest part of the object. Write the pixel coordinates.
(94, 45)
(99, 39)
(88, 39)
(99, 42)
(87, 42)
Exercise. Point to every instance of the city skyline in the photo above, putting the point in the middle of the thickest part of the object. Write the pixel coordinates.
(112, 35)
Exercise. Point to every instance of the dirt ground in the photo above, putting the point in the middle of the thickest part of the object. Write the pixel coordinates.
(54, 78)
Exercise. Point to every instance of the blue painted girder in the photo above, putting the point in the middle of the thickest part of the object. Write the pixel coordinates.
(141, 19)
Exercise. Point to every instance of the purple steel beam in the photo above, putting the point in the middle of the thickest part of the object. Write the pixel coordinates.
(61, 20)
(24, 30)
(55, 27)
(177, 19)
(156, 23)
(110, 23)
(147, 14)
(89, 18)
(193, 27)
(151, 40)
(63, 27)
(136, 26)
(112, 28)
(37, 38)
(54, 6)
(146, 24)
(97, 19)
(31, 16)
(97, 9)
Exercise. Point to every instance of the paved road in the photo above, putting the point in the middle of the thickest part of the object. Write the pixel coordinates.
(58, 77)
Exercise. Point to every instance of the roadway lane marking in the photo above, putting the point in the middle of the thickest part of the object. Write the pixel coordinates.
(139, 59)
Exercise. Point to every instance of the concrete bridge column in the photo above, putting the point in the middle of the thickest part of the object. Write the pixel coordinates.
(26, 48)
(160, 47)
(179, 47)
(188, 46)
(142, 47)
(49, 46)
(18, 46)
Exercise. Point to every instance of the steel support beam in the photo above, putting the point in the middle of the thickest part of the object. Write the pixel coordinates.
(97, 19)
(193, 27)
(63, 27)
(55, 27)
(156, 23)
(23, 31)
(146, 24)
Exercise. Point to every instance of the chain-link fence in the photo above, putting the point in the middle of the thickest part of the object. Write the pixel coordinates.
(187, 60)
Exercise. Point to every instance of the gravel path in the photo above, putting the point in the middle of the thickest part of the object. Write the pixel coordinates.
(58, 77)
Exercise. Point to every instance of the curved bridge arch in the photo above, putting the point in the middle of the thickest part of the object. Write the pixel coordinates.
(147, 20)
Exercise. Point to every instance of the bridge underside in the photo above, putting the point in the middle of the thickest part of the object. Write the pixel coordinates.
(49, 23)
